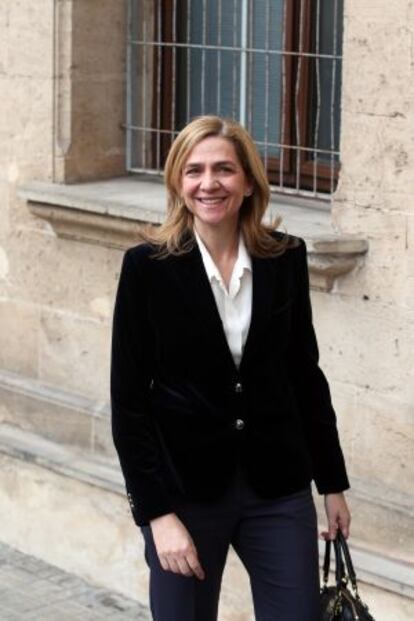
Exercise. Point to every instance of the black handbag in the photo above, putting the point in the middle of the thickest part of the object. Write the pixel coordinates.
(338, 602)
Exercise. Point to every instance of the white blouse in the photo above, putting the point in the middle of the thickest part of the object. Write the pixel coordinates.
(235, 304)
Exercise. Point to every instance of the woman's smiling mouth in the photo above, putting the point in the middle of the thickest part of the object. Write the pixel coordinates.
(211, 201)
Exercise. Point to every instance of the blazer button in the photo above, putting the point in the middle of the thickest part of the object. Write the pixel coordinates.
(239, 424)
(238, 387)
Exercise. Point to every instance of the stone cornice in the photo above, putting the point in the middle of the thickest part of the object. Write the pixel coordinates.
(111, 212)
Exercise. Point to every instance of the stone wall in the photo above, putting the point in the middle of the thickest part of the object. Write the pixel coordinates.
(367, 324)
(62, 76)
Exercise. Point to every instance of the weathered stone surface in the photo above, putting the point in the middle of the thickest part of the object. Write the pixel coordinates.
(19, 337)
(380, 458)
(54, 413)
(97, 146)
(83, 285)
(69, 348)
(99, 34)
(42, 412)
(29, 29)
(91, 91)
(380, 154)
(368, 345)
(383, 41)
(28, 120)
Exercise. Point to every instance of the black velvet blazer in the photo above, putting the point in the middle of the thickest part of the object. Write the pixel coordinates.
(183, 414)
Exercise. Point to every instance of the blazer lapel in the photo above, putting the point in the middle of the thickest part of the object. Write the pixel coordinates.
(264, 290)
(198, 296)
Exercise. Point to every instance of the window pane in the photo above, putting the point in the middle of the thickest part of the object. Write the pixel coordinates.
(326, 111)
(265, 74)
(213, 76)
(212, 84)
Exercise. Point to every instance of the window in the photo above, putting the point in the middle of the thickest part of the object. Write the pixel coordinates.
(275, 65)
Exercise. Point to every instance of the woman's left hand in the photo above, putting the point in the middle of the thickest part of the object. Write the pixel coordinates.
(338, 516)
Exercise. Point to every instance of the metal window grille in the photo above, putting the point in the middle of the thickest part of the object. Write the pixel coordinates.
(274, 65)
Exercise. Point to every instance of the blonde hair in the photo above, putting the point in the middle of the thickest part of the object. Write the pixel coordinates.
(172, 236)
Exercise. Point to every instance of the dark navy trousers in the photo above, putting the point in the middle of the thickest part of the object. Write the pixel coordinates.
(276, 540)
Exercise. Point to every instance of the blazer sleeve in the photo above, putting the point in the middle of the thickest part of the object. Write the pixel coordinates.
(312, 390)
(133, 429)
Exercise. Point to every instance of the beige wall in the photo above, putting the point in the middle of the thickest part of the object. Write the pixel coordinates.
(369, 346)
(62, 77)
(61, 111)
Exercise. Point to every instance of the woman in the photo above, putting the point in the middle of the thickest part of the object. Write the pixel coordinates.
(221, 414)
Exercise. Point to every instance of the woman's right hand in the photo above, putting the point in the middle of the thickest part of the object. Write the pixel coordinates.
(175, 547)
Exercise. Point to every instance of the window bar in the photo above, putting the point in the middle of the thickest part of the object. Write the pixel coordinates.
(236, 48)
(282, 137)
(218, 104)
(203, 59)
(144, 88)
(318, 97)
(159, 67)
(334, 61)
(297, 90)
(267, 84)
(250, 70)
(188, 52)
(129, 90)
(174, 68)
(233, 110)
(243, 61)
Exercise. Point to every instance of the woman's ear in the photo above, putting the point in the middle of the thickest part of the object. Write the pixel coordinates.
(249, 186)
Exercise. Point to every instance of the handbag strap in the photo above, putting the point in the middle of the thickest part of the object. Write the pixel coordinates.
(340, 574)
(326, 561)
(339, 564)
(347, 556)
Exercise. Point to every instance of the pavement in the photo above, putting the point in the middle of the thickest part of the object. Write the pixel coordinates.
(32, 590)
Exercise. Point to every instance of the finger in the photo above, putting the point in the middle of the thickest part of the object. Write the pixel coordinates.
(333, 528)
(184, 567)
(344, 526)
(195, 565)
(164, 562)
(173, 565)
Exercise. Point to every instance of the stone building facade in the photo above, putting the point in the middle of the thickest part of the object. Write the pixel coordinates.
(67, 211)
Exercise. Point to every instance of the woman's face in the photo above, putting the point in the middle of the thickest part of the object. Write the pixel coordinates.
(213, 183)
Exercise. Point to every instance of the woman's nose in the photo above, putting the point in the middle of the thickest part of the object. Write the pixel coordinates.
(209, 182)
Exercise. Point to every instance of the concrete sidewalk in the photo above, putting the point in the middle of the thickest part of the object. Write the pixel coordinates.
(32, 590)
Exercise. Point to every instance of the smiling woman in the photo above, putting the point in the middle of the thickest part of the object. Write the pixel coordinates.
(221, 415)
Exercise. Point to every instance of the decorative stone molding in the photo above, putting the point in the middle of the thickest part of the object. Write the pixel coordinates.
(111, 212)
(331, 257)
